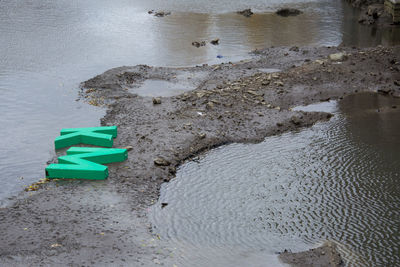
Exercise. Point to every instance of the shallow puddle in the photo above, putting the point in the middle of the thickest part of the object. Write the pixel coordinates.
(338, 180)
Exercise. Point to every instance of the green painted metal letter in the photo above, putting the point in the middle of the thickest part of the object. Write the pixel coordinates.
(85, 163)
(97, 136)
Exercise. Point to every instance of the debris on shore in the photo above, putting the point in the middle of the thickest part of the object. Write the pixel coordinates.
(159, 13)
(215, 41)
(199, 44)
(246, 12)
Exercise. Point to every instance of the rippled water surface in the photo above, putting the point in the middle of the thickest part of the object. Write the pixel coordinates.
(48, 47)
(338, 180)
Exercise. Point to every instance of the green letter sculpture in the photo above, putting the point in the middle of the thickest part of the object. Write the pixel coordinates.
(97, 136)
(85, 163)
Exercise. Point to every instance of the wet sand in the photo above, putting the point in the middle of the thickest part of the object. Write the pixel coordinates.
(104, 222)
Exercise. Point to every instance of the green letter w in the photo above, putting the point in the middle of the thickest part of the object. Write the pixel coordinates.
(85, 163)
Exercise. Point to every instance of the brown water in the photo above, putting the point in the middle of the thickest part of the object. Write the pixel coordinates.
(338, 180)
(48, 47)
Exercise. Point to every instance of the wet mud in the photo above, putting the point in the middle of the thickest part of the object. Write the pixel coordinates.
(105, 222)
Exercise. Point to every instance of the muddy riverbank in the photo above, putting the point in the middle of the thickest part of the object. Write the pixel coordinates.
(104, 222)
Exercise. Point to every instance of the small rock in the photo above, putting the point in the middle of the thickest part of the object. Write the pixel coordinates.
(129, 148)
(156, 100)
(164, 204)
(279, 124)
(200, 94)
(210, 105)
(265, 83)
(366, 20)
(162, 14)
(384, 91)
(215, 41)
(295, 120)
(285, 12)
(198, 44)
(294, 48)
(247, 13)
(150, 11)
(171, 170)
(202, 135)
(375, 10)
(338, 57)
(397, 82)
(161, 162)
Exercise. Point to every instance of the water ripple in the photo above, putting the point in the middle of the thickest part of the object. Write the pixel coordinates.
(292, 191)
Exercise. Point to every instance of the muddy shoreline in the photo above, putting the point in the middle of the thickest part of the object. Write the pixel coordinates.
(102, 223)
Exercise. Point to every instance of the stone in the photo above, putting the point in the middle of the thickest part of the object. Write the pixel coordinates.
(210, 105)
(162, 14)
(247, 13)
(161, 162)
(129, 148)
(198, 44)
(215, 41)
(286, 12)
(202, 135)
(375, 10)
(397, 82)
(171, 170)
(338, 57)
(384, 91)
(295, 120)
(156, 100)
(265, 83)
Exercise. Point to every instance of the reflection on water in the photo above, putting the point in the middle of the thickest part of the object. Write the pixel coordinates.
(48, 47)
(355, 34)
(337, 181)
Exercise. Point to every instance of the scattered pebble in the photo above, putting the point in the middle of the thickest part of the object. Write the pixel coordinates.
(215, 41)
(247, 13)
(199, 44)
(161, 162)
(156, 100)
